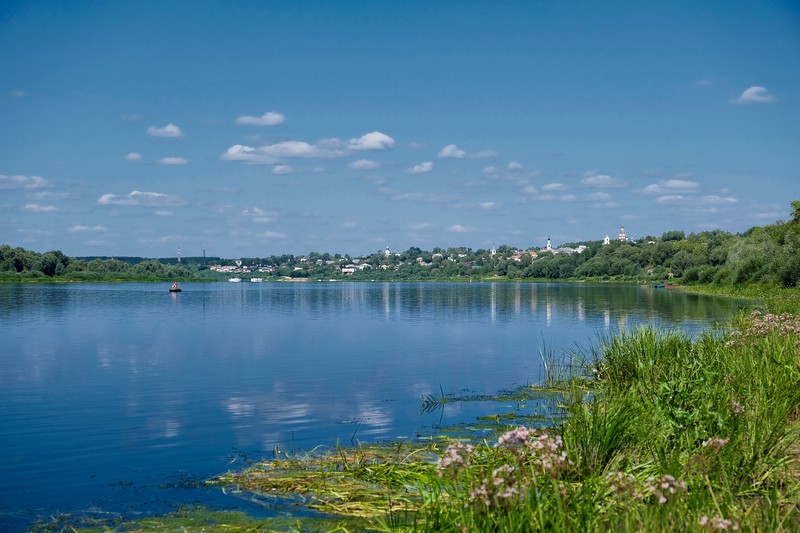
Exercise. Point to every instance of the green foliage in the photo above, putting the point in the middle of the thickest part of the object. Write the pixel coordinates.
(17, 264)
(761, 255)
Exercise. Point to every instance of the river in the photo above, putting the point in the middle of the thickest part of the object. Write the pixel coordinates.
(117, 398)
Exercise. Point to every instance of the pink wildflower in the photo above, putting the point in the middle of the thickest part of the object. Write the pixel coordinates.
(717, 523)
(455, 457)
(665, 486)
(715, 443)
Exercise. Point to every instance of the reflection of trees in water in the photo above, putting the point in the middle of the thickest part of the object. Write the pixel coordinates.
(600, 302)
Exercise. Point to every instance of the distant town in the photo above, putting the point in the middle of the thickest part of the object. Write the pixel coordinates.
(760, 255)
(393, 260)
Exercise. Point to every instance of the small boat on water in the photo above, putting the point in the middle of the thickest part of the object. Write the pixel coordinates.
(256, 280)
(174, 288)
(235, 280)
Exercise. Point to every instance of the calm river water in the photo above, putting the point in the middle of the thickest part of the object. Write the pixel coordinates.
(115, 397)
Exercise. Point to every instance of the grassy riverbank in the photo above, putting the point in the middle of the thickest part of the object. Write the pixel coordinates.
(653, 431)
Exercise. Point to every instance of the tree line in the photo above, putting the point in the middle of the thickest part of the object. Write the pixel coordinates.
(769, 254)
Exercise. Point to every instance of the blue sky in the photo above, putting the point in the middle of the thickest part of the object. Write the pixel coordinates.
(259, 128)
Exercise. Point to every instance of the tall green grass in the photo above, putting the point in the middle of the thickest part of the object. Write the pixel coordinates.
(669, 434)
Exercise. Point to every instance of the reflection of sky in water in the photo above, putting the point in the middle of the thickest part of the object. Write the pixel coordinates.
(103, 382)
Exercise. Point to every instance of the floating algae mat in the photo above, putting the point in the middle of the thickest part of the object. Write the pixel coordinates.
(365, 487)
(383, 482)
(368, 482)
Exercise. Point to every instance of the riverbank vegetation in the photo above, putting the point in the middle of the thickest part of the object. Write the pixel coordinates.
(662, 433)
(768, 255)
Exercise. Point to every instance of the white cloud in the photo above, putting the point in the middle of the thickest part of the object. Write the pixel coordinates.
(364, 164)
(349, 225)
(298, 149)
(271, 118)
(514, 165)
(282, 169)
(554, 187)
(22, 182)
(140, 198)
(416, 196)
(274, 235)
(453, 151)
(36, 208)
(427, 166)
(598, 196)
(326, 148)
(247, 154)
(567, 197)
(719, 200)
(458, 228)
(133, 156)
(170, 130)
(254, 211)
(755, 95)
(486, 170)
(529, 189)
(669, 199)
(487, 205)
(164, 213)
(673, 185)
(48, 195)
(78, 228)
(421, 226)
(372, 141)
(172, 161)
(601, 180)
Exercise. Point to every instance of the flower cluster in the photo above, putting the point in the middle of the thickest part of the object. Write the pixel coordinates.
(540, 449)
(737, 408)
(717, 523)
(715, 443)
(455, 457)
(784, 324)
(621, 483)
(664, 486)
(498, 491)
